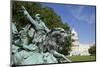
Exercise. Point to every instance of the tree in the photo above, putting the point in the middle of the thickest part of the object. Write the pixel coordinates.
(92, 50)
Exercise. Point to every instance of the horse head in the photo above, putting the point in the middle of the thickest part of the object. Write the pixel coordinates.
(57, 37)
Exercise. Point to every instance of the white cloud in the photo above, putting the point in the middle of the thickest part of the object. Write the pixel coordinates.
(78, 13)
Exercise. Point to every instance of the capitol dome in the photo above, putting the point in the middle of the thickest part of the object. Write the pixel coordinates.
(74, 34)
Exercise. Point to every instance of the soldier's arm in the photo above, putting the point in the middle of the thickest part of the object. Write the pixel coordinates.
(29, 17)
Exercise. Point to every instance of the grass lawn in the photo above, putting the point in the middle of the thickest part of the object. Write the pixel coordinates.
(82, 58)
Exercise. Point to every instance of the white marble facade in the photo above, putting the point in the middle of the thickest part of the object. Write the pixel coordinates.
(78, 48)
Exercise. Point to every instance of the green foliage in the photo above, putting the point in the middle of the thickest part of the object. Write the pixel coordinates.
(49, 16)
(92, 50)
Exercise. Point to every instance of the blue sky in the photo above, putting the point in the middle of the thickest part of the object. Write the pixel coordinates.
(80, 17)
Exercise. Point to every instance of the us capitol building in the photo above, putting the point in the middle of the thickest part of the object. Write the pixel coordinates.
(78, 48)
